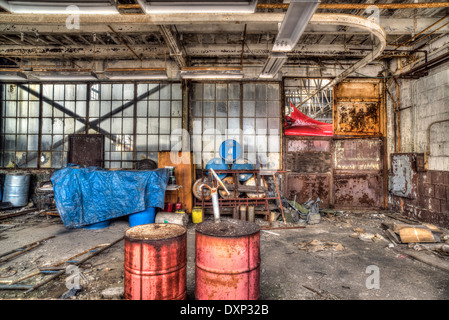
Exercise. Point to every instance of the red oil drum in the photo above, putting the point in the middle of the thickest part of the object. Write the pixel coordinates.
(155, 262)
(227, 256)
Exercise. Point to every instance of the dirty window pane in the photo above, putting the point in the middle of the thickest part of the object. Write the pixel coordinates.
(221, 109)
(142, 108)
(141, 126)
(196, 108)
(153, 126)
(248, 108)
(249, 91)
(128, 92)
(261, 91)
(165, 92)
(117, 91)
(70, 92)
(176, 92)
(222, 91)
(209, 91)
(105, 92)
(261, 108)
(176, 108)
(208, 109)
(58, 92)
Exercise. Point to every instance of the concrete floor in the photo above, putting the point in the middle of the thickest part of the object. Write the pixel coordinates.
(325, 261)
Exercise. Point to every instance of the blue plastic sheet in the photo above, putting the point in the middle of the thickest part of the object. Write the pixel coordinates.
(85, 196)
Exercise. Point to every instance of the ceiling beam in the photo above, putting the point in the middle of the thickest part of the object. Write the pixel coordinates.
(157, 51)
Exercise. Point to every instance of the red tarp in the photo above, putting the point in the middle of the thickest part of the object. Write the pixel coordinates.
(298, 124)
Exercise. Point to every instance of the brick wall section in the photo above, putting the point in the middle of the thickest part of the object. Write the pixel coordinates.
(432, 203)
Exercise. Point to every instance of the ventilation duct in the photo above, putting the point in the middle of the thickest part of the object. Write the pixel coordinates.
(211, 73)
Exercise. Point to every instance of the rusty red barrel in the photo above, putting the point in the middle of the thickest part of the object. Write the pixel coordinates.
(155, 262)
(227, 256)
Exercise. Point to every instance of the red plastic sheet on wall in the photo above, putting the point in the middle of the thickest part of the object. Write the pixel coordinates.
(298, 124)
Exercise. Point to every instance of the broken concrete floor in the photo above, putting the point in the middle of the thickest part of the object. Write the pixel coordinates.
(331, 260)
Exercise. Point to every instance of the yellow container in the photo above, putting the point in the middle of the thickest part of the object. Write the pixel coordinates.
(197, 215)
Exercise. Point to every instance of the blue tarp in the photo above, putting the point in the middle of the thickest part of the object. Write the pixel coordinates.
(85, 196)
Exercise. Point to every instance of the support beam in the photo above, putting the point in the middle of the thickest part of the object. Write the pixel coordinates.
(173, 45)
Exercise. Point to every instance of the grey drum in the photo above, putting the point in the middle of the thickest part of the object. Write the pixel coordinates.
(16, 189)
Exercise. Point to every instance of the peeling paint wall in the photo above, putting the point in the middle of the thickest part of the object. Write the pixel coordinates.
(422, 102)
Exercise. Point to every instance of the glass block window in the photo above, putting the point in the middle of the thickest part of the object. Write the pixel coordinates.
(246, 112)
(137, 120)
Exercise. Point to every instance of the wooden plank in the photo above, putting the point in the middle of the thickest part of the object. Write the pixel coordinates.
(184, 173)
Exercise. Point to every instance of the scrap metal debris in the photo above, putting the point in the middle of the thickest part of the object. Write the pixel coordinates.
(320, 245)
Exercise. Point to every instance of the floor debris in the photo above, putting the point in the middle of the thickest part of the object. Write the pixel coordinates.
(319, 245)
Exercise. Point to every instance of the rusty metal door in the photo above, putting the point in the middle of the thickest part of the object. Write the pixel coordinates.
(358, 148)
(86, 150)
(310, 161)
(358, 166)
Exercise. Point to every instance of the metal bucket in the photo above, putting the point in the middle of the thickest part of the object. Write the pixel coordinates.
(227, 260)
(16, 189)
(155, 262)
(98, 225)
(143, 217)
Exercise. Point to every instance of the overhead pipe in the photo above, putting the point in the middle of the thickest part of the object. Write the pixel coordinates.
(351, 6)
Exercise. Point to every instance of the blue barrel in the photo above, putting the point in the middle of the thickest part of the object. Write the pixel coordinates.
(16, 189)
(218, 164)
(230, 150)
(243, 164)
(98, 225)
(143, 217)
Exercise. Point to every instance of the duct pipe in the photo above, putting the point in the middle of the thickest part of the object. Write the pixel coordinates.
(352, 6)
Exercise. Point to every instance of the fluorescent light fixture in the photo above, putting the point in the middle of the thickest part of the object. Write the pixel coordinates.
(136, 74)
(12, 75)
(211, 73)
(60, 7)
(295, 22)
(273, 64)
(65, 76)
(186, 6)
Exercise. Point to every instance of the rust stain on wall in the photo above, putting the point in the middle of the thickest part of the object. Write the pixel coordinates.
(357, 154)
(358, 190)
(358, 109)
(309, 186)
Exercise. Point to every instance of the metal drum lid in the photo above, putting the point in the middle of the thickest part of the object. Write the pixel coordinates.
(252, 182)
(243, 164)
(217, 164)
(230, 150)
(203, 194)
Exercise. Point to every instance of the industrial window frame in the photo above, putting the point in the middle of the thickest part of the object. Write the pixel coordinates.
(124, 109)
(197, 130)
